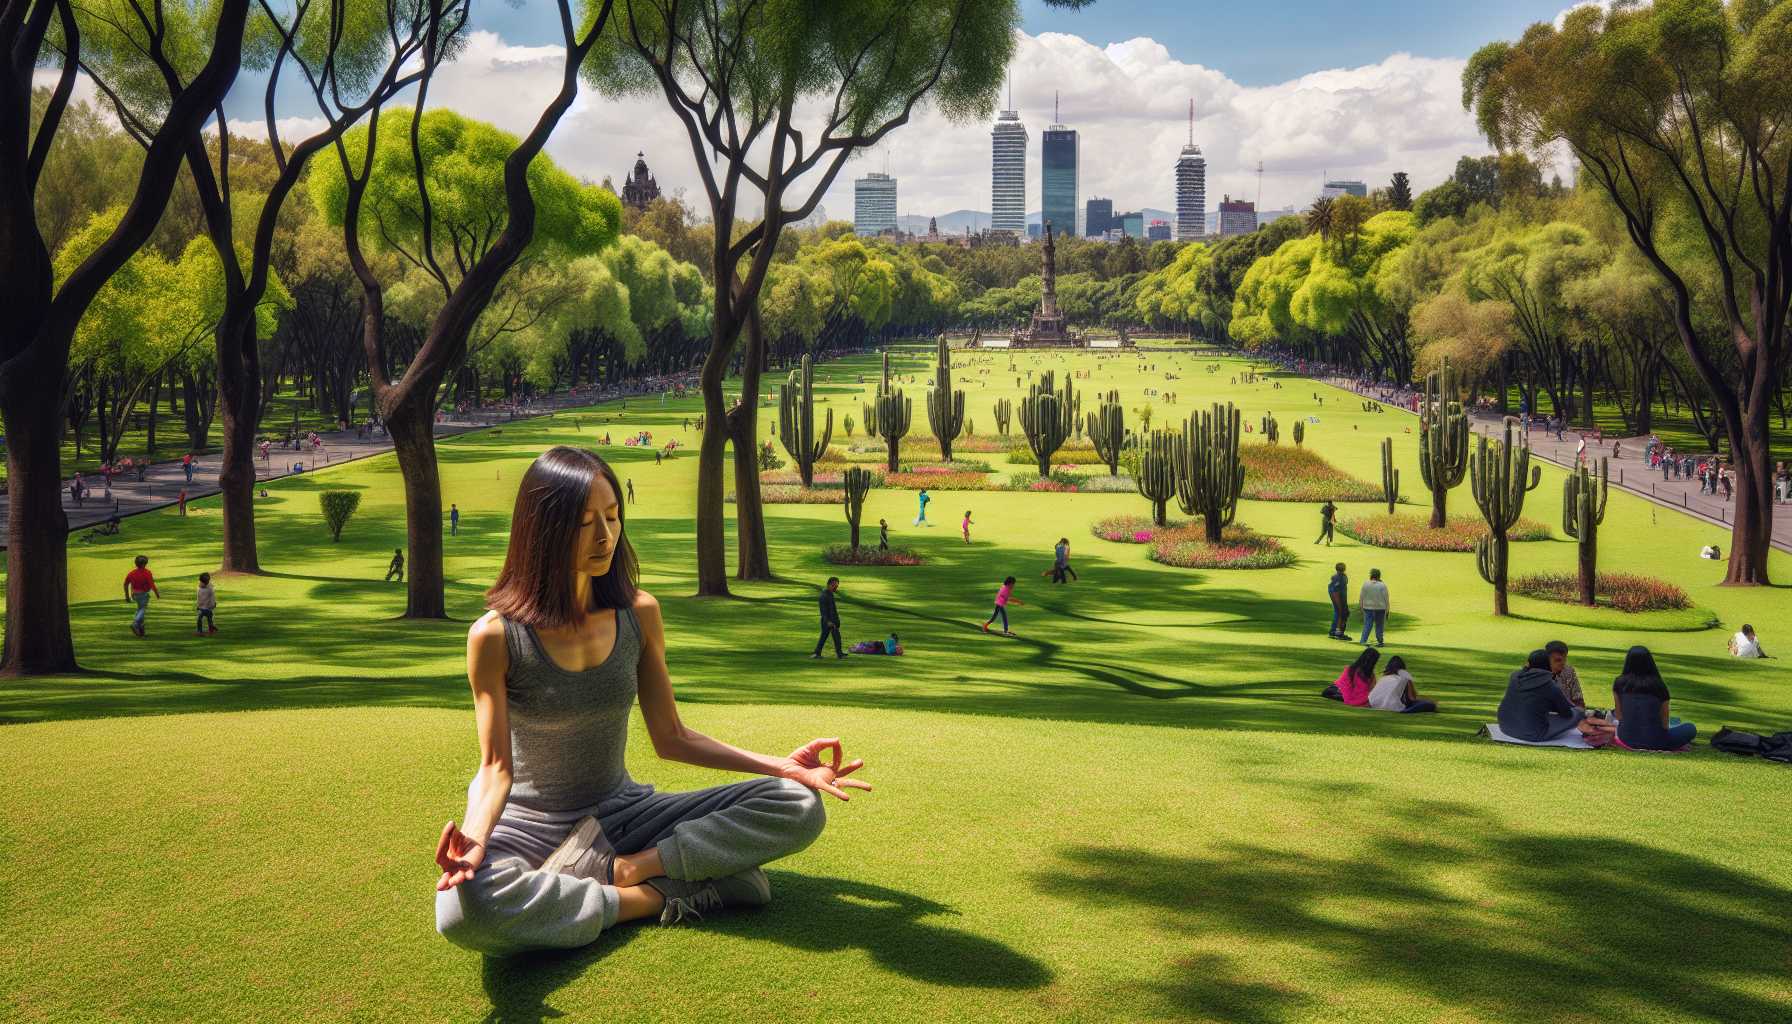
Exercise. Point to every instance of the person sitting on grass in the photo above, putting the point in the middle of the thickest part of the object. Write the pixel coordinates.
(1745, 645)
(1534, 709)
(1641, 700)
(559, 843)
(1394, 691)
(1354, 683)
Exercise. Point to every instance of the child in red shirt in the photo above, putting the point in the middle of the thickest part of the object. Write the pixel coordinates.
(138, 585)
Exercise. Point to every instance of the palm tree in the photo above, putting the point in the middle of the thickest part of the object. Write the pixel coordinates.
(1319, 218)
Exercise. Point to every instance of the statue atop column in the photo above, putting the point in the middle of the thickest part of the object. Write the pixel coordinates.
(1047, 327)
(1048, 303)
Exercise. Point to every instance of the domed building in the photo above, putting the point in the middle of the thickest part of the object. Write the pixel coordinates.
(640, 188)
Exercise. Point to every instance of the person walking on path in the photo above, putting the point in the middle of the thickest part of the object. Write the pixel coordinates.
(1004, 597)
(631, 491)
(1339, 592)
(139, 583)
(186, 466)
(559, 843)
(1327, 513)
(965, 527)
(883, 535)
(921, 520)
(830, 618)
(1373, 602)
(453, 519)
(206, 604)
(396, 568)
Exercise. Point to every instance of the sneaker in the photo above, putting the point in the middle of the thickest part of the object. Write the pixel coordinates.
(585, 853)
(986, 627)
(816, 655)
(749, 888)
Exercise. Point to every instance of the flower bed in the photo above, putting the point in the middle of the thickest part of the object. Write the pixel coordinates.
(955, 466)
(1187, 548)
(938, 481)
(795, 494)
(1070, 455)
(1131, 529)
(834, 478)
(868, 554)
(1276, 472)
(917, 447)
(1103, 484)
(1057, 483)
(1411, 533)
(1623, 591)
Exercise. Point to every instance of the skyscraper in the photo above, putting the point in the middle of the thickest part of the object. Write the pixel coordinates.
(1334, 189)
(1098, 216)
(1008, 172)
(874, 204)
(1191, 187)
(1058, 174)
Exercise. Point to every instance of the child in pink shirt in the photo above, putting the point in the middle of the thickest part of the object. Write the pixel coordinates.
(1004, 597)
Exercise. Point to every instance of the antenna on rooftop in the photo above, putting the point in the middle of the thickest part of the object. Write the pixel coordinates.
(1191, 120)
(1055, 107)
(1259, 184)
(1010, 92)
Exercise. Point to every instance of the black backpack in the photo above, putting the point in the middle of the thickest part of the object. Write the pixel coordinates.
(1778, 747)
(1734, 741)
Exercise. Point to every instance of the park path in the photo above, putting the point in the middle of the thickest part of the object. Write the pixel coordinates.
(1629, 471)
(162, 484)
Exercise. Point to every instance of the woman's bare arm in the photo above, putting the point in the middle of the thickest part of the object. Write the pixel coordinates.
(461, 849)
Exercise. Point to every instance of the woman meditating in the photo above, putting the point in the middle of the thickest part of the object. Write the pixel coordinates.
(1641, 700)
(558, 842)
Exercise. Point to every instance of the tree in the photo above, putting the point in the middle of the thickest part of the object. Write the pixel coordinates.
(463, 203)
(1680, 114)
(42, 314)
(734, 73)
(1400, 191)
(337, 507)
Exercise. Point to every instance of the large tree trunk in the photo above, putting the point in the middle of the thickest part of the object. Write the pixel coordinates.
(1751, 539)
(190, 406)
(712, 548)
(38, 640)
(239, 388)
(751, 559)
(413, 438)
(155, 406)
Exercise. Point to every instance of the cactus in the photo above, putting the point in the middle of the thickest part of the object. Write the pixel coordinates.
(1107, 429)
(1583, 510)
(1047, 416)
(1272, 431)
(858, 482)
(970, 429)
(796, 420)
(1499, 477)
(893, 416)
(1390, 476)
(1157, 474)
(1209, 473)
(1004, 412)
(945, 406)
(1443, 440)
(1300, 432)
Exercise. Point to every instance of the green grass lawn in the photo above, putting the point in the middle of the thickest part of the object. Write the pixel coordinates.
(1137, 809)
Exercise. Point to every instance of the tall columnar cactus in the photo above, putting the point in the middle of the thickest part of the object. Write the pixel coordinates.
(1272, 431)
(1300, 432)
(1583, 510)
(893, 415)
(1107, 429)
(870, 408)
(858, 483)
(1209, 473)
(1047, 417)
(1157, 474)
(1004, 413)
(945, 405)
(1443, 440)
(1390, 476)
(796, 421)
(1499, 476)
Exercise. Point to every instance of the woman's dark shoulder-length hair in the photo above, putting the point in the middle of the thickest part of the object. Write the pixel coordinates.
(535, 586)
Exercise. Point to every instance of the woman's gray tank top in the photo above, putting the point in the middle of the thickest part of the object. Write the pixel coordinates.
(568, 730)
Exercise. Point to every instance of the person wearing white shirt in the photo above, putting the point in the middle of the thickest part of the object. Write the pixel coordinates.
(1745, 645)
(1394, 691)
(1373, 603)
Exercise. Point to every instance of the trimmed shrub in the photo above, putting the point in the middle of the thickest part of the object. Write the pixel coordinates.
(1186, 547)
(338, 507)
(1622, 591)
(868, 554)
(1411, 533)
(1279, 473)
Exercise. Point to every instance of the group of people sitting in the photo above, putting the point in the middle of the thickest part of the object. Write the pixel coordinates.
(1359, 686)
(1543, 702)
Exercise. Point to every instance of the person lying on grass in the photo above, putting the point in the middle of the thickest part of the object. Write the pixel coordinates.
(558, 842)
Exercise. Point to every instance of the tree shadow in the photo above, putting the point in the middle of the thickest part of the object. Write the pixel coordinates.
(1669, 935)
(811, 914)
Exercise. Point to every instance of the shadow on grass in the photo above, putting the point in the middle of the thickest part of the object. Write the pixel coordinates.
(1672, 936)
(814, 915)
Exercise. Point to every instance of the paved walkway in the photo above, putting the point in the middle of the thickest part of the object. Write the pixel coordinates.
(162, 485)
(1629, 471)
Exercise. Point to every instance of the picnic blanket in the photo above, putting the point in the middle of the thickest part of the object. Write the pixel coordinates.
(1572, 739)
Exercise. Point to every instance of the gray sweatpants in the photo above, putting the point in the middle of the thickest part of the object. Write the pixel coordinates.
(509, 906)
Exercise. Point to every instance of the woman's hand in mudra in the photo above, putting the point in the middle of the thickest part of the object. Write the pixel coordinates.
(804, 766)
(457, 856)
